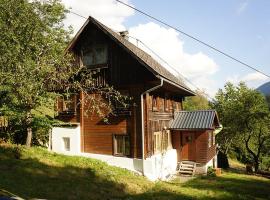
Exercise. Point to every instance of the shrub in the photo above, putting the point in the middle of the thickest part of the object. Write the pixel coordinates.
(211, 172)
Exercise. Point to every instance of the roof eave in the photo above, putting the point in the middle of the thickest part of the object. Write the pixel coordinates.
(189, 91)
(190, 129)
(75, 38)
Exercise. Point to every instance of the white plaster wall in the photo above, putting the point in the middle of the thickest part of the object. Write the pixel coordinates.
(71, 132)
(161, 166)
(132, 164)
(156, 167)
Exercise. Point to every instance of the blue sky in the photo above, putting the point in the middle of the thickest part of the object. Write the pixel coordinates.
(240, 28)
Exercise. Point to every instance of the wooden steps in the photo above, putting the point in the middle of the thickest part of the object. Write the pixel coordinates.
(186, 168)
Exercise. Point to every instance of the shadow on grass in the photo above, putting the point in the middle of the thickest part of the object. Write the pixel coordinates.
(244, 187)
(29, 178)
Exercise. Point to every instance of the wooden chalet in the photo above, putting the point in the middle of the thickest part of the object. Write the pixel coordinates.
(154, 133)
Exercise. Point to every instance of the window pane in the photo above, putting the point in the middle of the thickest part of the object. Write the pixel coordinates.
(121, 145)
(127, 146)
(101, 54)
(88, 57)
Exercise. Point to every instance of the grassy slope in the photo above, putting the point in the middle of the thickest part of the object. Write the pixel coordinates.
(41, 174)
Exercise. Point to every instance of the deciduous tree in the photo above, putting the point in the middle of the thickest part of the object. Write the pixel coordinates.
(34, 66)
(245, 118)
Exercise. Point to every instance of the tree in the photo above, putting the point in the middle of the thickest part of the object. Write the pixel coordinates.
(198, 102)
(245, 117)
(34, 67)
(268, 101)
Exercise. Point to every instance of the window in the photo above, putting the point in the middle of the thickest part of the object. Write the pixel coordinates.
(66, 142)
(157, 142)
(162, 141)
(121, 145)
(95, 55)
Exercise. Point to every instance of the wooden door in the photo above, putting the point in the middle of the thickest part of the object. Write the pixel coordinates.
(188, 146)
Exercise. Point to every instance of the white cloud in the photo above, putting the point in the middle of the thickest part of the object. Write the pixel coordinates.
(253, 79)
(109, 12)
(242, 7)
(256, 76)
(168, 45)
(206, 85)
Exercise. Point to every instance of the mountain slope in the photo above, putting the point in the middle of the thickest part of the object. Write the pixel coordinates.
(265, 89)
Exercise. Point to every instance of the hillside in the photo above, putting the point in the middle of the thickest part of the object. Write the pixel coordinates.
(37, 173)
(265, 89)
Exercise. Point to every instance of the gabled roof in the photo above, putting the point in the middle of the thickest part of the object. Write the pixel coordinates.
(143, 57)
(194, 120)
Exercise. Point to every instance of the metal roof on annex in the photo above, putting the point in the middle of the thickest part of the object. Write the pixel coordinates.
(194, 120)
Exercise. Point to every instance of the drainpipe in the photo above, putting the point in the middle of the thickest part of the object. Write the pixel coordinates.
(142, 113)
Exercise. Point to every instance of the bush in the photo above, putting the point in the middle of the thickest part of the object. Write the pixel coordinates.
(211, 172)
(265, 163)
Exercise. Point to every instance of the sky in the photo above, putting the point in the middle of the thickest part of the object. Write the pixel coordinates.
(240, 28)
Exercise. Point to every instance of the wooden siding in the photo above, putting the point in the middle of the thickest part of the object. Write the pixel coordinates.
(202, 147)
(203, 153)
(159, 109)
(98, 134)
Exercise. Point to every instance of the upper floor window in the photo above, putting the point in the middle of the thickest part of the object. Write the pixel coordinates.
(95, 55)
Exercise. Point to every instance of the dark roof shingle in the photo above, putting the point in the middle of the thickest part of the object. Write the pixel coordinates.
(190, 120)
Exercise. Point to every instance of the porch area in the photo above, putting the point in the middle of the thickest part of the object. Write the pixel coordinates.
(193, 138)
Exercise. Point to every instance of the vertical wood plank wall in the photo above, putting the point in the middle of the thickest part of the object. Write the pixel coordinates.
(157, 118)
(203, 152)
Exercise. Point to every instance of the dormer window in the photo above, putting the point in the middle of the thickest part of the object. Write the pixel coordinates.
(95, 56)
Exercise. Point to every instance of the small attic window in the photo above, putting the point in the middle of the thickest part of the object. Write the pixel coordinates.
(95, 55)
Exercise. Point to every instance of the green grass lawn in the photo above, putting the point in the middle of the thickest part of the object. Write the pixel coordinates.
(41, 174)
